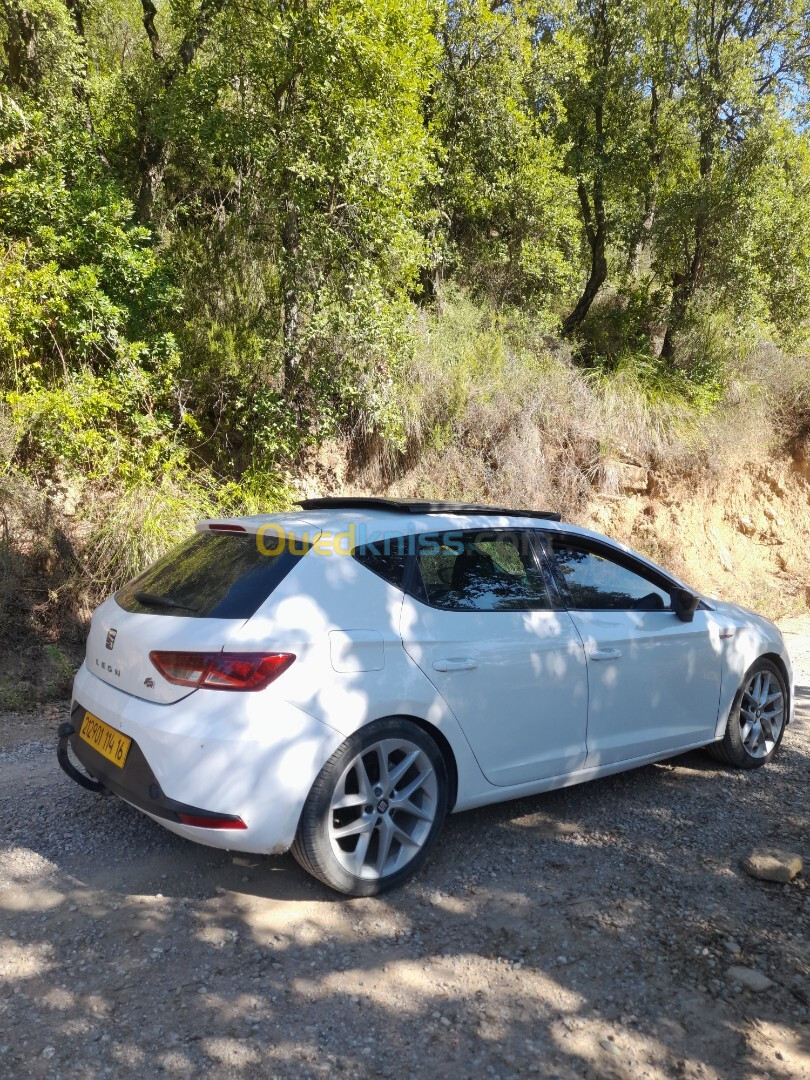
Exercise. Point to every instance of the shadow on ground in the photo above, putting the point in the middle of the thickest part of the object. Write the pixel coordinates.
(586, 932)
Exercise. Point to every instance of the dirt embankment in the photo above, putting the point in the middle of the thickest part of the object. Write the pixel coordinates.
(737, 529)
(738, 532)
(740, 537)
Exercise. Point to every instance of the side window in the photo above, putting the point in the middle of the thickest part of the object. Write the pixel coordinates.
(387, 559)
(480, 571)
(598, 583)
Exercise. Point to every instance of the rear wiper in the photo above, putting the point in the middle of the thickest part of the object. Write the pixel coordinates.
(149, 599)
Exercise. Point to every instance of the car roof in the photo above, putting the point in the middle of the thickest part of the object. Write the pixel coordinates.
(385, 515)
(389, 517)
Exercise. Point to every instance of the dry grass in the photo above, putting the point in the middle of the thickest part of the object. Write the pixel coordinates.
(493, 415)
(492, 412)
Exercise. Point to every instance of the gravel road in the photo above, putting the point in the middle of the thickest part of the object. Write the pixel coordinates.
(585, 933)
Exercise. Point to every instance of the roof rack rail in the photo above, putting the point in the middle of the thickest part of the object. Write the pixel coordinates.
(418, 506)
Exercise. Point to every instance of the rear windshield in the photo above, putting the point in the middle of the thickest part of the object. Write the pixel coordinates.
(215, 576)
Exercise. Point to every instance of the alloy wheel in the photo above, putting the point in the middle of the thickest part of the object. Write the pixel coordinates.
(762, 714)
(383, 808)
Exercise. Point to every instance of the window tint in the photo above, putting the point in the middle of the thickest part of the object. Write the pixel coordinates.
(596, 582)
(480, 571)
(387, 559)
(222, 576)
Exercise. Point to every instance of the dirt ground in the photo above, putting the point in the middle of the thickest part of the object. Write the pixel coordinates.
(584, 933)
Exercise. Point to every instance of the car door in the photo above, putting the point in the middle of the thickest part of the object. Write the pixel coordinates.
(480, 623)
(654, 681)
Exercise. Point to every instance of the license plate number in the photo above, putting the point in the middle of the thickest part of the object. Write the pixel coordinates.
(106, 740)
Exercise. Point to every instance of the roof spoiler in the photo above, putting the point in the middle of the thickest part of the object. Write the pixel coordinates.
(400, 506)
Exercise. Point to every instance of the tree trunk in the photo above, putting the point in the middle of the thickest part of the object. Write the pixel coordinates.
(641, 240)
(685, 285)
(153, 157)
(641, 237)
(153, 152)
(286, 99)
(683, 289)
(595, 220)
(290, 240)
(596, 232)
(21, 47)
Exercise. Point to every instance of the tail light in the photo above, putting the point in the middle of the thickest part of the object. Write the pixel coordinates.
(221, 671)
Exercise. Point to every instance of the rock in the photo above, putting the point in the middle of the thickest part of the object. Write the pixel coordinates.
(746, 525)
(611, 1047)
(775, 483)
(632, 477)
(723, 556)
(750, 978)
(732, 947)
(772, 864)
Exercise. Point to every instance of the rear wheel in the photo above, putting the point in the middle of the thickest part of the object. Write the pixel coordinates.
(375, 809)
(757, 719)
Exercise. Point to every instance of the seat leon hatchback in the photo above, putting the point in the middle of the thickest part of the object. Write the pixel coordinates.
(334, 681)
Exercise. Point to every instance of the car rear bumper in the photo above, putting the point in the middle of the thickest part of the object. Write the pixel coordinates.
(249, 756)
(134, 781)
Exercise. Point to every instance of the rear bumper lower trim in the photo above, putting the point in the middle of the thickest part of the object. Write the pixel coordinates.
(135, 783)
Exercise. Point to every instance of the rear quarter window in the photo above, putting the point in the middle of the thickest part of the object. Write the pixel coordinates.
(387, 559)
(222, 576)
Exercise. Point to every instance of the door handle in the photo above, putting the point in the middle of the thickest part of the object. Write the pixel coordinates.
(605, 654)
(456, 663)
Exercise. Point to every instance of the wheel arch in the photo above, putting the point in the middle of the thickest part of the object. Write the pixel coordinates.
(445, 749)
(778, 662)
(728, 747)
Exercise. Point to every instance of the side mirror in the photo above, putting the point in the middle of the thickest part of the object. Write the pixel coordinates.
(684, 604)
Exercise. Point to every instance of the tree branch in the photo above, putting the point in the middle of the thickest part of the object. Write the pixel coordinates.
(149, 13)
(191, 43)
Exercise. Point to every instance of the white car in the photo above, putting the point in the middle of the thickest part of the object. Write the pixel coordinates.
(336, 680)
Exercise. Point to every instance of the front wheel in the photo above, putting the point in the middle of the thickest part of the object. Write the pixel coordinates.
(757, 719)
(375, 809)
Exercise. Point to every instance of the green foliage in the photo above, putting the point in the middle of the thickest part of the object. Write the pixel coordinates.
(107, 428)
(62, 672)
(230, 232)
(504, 210)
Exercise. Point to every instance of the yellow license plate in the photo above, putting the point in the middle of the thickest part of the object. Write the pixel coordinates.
(109, 742)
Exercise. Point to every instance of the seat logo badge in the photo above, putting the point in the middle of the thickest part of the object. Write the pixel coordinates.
(111, 635)
(382, 806)
(149, 684)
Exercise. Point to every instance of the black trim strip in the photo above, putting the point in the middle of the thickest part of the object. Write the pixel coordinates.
(65, 731)
(400, 506)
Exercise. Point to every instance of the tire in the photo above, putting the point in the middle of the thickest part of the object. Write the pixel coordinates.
(375, 809)
(740, 747)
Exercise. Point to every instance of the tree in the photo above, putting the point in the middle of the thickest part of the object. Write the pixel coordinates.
(602, 95)
(324, 107)
(504, 209)
(741, 63)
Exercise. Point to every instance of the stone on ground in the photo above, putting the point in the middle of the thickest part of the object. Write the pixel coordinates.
(772, 864)
(750, 978)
